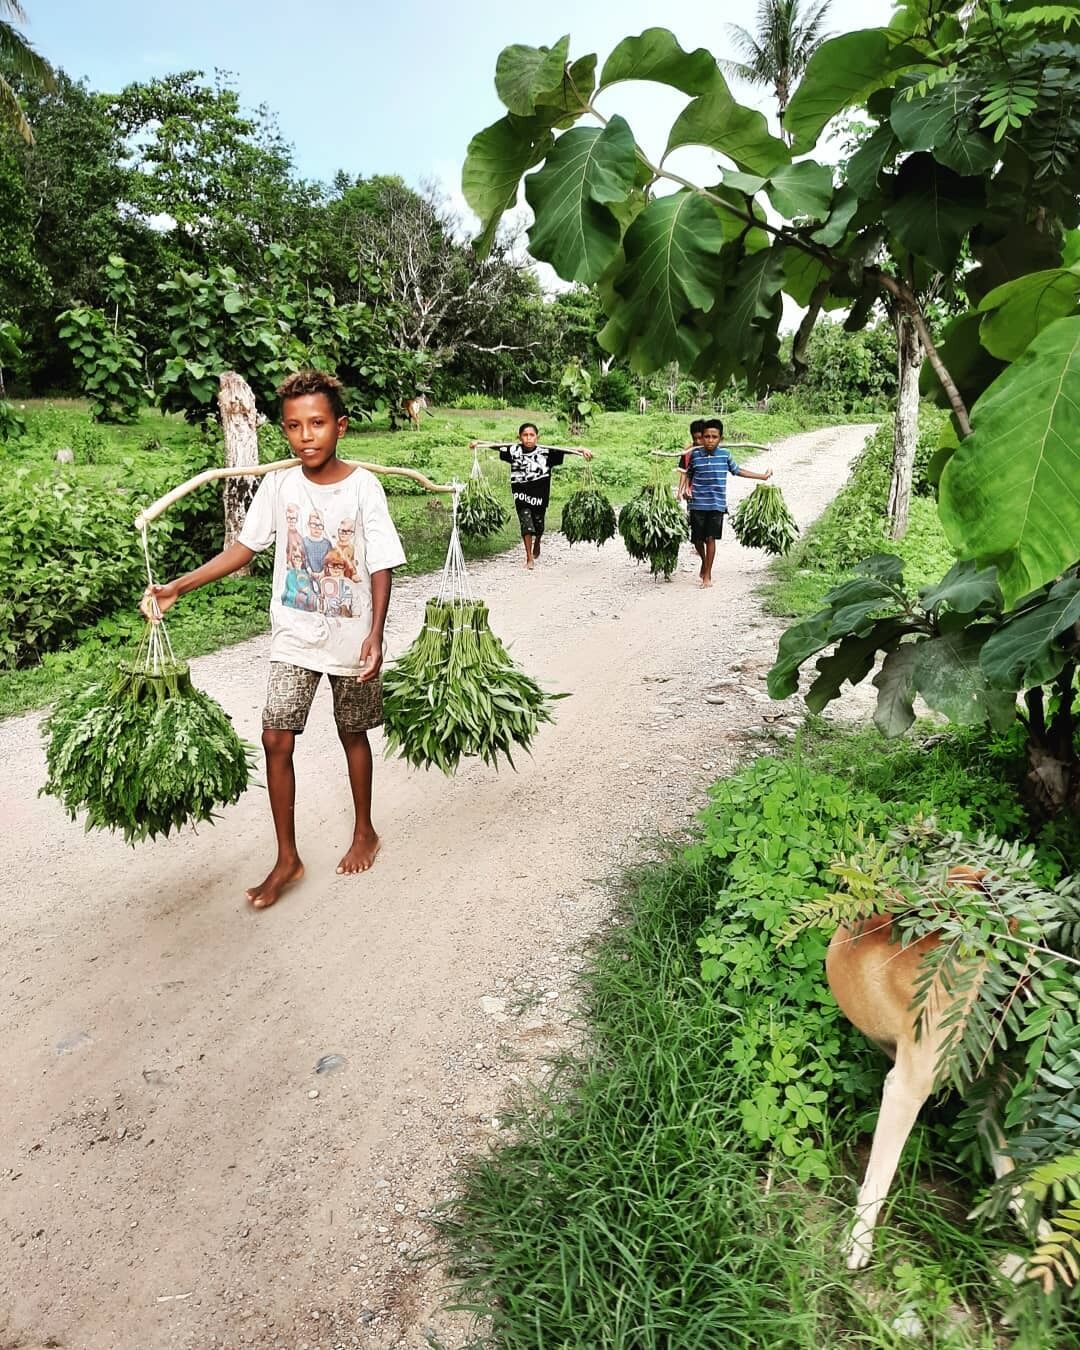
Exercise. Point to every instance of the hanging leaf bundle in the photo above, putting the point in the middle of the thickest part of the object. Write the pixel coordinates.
(456, 693)
(653, 525)
(587, 515)
(145, 752)
(762, 520)
(480, 513)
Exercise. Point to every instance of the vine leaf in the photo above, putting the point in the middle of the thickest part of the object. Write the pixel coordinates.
(574, 230)
(1025, 450)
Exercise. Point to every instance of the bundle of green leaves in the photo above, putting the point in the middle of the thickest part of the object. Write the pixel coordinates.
(762, 520)
(456, 693)
(480, 513)
(587, 515)
(144, 753)
(653, 525)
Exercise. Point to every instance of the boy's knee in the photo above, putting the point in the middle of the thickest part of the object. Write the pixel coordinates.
(278, 742)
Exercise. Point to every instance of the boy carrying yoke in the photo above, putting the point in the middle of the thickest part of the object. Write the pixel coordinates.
(336, 548)
(704, 485)
(530, 480)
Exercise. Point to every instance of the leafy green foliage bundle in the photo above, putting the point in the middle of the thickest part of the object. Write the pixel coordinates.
(653, 525)
(456, 693)
(145, 753)
(587, 515)
(480, 513)
(762, 520)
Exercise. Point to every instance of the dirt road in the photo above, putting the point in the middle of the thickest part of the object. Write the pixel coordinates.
(223, 1128)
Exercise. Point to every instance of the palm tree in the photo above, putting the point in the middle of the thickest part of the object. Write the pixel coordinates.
(19, 58)
(776, 54)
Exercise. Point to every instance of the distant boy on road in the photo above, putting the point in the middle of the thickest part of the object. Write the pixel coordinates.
(706, 486)
(314, 632)
(530, 480)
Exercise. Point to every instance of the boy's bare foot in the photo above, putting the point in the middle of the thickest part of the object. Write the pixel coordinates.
(528, 564)
(361, 854)
(536, 549)
(706, 582)
(282, 874)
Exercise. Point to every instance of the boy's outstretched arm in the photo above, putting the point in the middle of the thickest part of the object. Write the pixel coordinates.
(229, 560)
(749, 473)
(371, 647)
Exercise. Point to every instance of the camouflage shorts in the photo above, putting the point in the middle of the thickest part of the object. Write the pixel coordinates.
(357, 707)
(531, 519)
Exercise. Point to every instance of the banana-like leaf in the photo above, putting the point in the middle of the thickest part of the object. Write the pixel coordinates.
(947, 674)
(1023, 652)
(1011, 493)
(1019, 310)
(673, 272)
(843, 72)
(575, 230)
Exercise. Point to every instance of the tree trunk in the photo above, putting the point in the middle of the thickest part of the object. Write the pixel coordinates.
(239, 424)
(909, 359)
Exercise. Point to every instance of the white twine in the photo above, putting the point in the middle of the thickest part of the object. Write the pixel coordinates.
(157, 644)
(454, 586)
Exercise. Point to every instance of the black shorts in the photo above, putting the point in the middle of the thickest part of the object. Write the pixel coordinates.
(706, 525)
(531, 519)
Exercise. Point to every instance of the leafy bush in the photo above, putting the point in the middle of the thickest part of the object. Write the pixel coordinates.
(479, 402)
(616, 392)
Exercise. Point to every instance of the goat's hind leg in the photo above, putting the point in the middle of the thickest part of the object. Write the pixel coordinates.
(907, 1086)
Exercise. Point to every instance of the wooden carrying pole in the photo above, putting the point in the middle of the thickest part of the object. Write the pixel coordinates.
(256, 471)
(724, 445)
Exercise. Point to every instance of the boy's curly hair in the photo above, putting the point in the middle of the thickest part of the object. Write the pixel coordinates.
(313, 382)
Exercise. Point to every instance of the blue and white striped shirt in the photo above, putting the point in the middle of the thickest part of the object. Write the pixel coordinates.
(708, 478)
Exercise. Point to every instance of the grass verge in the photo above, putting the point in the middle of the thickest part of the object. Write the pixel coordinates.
(626, 1205)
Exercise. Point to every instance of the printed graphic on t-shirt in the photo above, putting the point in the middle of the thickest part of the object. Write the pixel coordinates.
(318, 567)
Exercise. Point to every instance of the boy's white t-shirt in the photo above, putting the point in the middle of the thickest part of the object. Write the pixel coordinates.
(330, 538)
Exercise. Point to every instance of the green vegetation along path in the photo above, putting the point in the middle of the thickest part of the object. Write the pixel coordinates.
(225, 1128)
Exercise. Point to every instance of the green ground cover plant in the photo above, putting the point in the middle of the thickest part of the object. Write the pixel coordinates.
(67, 533)
(685, 1178)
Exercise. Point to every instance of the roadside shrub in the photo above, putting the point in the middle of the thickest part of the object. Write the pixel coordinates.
(616, 392)
(479, 402)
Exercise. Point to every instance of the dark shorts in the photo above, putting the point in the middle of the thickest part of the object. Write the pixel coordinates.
(531, 519)
(706, 525)
(357, 707)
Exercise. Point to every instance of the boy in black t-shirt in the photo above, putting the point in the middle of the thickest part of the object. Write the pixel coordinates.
(530, 480)
(682, 492)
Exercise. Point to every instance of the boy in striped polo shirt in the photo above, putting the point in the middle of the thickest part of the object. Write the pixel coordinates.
(705, 487)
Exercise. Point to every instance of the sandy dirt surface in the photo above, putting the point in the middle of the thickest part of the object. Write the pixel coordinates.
(223, 1128)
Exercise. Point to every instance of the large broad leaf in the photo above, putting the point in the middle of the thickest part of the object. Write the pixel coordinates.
(844, 206)
(803, 273)
(1023, 653)
(804, 189)
(572, 96)
(1011, 493)
(715, 119)
(522, 73)
(1019, 310)
(797, 643)
(933, 209)
(867, 162)
(749, 303)
(895, 683)
(941, 121)
(496, 159)
(575, 231)
(673, 273)
(852, 660)
(843, 72)
(1023, 248)
(966, 588)
(947, 674)
(656, 56)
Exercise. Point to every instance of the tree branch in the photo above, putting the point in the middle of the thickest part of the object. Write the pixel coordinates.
(910, 305)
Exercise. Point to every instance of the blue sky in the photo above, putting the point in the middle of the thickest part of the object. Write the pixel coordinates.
(396, 87)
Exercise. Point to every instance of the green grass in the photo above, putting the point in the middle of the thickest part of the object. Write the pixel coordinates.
(624, 1207)
(156, 451)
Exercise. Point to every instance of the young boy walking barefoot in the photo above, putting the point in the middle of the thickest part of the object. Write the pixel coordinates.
(706, 485)
(530, 480)
(313, 632)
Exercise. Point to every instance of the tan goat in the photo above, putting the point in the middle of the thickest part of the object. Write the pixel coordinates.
(873, 979)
